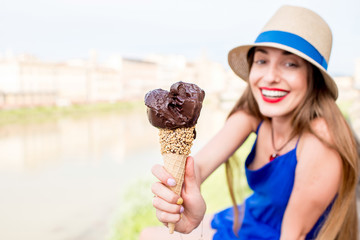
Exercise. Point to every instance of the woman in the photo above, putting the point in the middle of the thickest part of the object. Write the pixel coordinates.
(303, 167)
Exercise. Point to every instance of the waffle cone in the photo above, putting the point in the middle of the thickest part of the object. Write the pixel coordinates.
(175, 165)
(175, 148)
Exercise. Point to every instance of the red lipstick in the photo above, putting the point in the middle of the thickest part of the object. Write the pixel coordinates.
(266, 94)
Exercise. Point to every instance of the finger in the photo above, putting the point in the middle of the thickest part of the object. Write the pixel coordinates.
(165, 193)
(190, 178)
(165, 177)
(162, 205)
(167, 217)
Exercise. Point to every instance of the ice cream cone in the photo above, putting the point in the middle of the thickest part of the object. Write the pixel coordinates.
(175, 148)
(175, 165)
(175, 114)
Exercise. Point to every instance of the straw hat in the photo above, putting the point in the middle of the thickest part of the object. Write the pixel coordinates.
(294, 29)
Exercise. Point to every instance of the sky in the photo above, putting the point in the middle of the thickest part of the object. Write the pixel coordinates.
(58, 30)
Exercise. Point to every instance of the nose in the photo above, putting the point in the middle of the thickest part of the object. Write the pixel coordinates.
(272, 74)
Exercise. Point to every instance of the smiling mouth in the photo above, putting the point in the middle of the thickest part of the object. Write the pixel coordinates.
(273, 95)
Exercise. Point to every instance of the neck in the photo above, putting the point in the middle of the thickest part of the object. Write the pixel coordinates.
(280, 135)
(281, 129)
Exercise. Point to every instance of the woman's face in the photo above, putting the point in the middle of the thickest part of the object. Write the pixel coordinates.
(278, 81)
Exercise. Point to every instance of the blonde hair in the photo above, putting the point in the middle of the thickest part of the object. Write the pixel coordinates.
(342, 222)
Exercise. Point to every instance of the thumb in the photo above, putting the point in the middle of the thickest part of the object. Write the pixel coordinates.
(190, 183)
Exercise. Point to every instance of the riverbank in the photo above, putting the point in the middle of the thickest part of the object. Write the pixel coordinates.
(42, 114)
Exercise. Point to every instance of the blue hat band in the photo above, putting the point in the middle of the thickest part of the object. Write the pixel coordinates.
(293, 41)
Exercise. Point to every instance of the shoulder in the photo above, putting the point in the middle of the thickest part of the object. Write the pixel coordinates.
(320, 139)
(320, 128)
(315, 152)
(242, 119)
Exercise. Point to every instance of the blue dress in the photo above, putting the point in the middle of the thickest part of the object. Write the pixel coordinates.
(263, 211)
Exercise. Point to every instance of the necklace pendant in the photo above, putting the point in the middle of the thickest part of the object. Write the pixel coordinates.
(273, 156)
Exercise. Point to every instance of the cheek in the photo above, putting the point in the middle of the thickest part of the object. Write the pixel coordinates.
(252, 79)
(252, 86)
(299, 83)
(302, 86)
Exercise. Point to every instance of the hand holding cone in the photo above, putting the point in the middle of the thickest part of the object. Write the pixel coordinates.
(175, 148)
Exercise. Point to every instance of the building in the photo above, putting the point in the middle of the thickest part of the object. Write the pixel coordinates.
(26, 81)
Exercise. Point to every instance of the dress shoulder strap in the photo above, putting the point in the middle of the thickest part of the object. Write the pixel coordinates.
(258, 127)
(297, 142)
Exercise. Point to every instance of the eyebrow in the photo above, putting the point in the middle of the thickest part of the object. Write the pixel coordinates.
(261, 50)
(266, 52)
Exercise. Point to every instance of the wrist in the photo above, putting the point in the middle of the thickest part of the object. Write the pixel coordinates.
(192, 225)
(197, 174)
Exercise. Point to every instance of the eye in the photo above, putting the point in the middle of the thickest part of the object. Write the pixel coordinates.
(259, 61)
(291, 64)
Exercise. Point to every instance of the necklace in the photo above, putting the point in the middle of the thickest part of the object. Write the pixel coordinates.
(277, 150)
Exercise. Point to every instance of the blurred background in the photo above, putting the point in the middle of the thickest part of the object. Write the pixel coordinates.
(76, 147)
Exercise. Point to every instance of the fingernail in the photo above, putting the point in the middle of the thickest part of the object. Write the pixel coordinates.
(182, 209)
(180, 201)
(171, 182)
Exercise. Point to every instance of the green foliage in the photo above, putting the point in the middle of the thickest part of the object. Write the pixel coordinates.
(43, 114)
(136, 212)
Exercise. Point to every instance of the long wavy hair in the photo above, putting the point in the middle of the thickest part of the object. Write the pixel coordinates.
(342, 221)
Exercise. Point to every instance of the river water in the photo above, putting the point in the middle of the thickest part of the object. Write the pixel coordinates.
(65, 178)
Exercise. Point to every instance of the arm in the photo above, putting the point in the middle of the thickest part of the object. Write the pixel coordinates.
(218, 150)
(317, 179)
(212, 155)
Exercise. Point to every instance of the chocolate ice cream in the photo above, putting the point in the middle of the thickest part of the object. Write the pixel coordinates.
(175, 109)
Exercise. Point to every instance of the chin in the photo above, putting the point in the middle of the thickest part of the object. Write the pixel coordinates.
(272, 113)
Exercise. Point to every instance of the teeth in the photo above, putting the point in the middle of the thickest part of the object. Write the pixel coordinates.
(271, 93)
